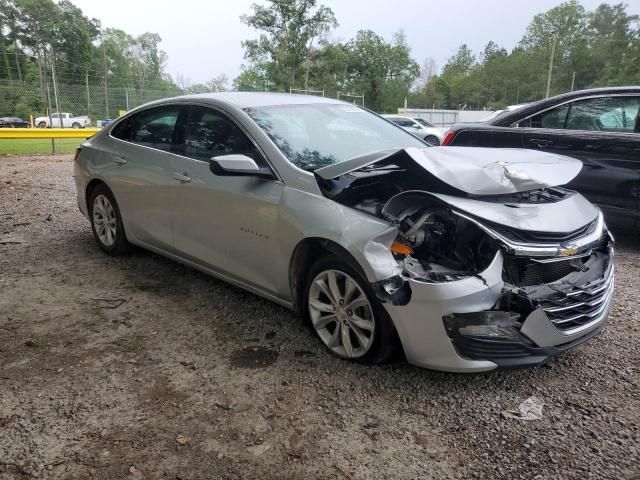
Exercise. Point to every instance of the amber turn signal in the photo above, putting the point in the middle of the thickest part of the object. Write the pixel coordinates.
(398, 248)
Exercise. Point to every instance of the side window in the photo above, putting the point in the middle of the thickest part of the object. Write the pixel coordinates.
(554, 118)
(606, 114)
(150, 128)
(402, 122)
(208, 133)
(54, 115)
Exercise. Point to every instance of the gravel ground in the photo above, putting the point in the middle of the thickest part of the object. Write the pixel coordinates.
(138, 367)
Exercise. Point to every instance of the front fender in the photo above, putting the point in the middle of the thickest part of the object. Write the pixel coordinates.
(365, 237)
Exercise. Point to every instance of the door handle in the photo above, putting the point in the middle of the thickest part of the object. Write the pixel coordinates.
(181, 177)
(541, 143)
(120, 160)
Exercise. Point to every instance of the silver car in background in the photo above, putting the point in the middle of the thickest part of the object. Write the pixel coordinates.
(464, 259)
(420, 128)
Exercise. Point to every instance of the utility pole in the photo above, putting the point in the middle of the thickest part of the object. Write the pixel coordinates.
(573, 80)
(106, 92)
(55, 86)
(126, 94)
(553, 52)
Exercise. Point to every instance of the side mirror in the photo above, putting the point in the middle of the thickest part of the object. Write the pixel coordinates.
(236, 165)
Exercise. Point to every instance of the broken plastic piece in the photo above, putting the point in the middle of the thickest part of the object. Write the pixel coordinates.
(395, 290)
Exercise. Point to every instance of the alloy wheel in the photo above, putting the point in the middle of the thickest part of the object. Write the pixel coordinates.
(341, 314)
(104, 220)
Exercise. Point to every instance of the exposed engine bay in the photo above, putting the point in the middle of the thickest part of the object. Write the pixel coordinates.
(553, 242)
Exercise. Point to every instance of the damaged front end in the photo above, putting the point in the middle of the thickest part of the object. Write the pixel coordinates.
(503, 279)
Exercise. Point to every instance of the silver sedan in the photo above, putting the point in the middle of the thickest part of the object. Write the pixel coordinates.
(463, 259)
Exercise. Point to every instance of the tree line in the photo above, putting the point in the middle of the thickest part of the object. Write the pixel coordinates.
(43, 43)
(590, 48)
(43, 39)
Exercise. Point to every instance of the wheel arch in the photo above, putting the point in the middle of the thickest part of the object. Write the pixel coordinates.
(306, 252)
(90, 187)
(433, 135)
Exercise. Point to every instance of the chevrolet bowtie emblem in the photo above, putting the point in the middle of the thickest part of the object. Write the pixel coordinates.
(568, 251)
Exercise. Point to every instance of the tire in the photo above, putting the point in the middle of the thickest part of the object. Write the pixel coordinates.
(109, 233)
(42, 125)
(75, 125)
(432, 140)
(380, 342)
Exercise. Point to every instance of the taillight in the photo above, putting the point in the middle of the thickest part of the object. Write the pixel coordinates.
(448, 138)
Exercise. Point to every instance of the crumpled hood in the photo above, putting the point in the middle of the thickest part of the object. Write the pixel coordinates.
(476, 170)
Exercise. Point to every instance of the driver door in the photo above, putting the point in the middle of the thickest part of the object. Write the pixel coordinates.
(225, 223)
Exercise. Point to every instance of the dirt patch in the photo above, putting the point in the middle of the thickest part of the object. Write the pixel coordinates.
(137, 367)
(253, 357)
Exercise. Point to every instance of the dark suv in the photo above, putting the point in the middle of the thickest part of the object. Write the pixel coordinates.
(600, 127)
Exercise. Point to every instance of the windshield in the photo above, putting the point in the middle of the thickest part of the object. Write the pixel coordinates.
(316, 135)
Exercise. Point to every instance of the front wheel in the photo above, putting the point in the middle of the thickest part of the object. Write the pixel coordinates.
(346, 315)
(432, 140)
(42, 125)
(106, 221)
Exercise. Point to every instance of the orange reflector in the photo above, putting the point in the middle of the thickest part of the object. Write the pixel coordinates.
(401, 249)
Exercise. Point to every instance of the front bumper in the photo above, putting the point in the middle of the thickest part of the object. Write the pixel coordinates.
(550, 328)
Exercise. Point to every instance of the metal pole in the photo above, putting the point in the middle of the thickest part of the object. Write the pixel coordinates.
(106, 92)
(126, 95)
(553, 52)
(55, 87)
(86, 80)
(49, 104)
(53, 143)
(573, 80)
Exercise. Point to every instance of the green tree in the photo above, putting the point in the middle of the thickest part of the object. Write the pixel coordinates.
(613, 39)
(382, 71)
(288, 29)
(251, 79)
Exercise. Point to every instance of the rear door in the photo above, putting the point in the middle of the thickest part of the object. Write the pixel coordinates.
(227, 223)
(603, 133)
(141, 173)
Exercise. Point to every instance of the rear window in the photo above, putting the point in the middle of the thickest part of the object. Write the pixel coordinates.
(151, 128)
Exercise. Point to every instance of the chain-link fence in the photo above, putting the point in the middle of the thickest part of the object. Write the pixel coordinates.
(99, 102)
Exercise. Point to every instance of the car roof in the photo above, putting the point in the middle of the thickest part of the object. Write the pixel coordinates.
(508, 117)
(258, 99)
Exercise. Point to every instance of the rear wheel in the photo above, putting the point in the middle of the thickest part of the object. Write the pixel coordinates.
(42, 125)
(432, 140)
(346, 315)
(106, 221)
(75, 125)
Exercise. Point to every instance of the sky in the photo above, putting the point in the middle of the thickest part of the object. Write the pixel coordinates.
(202, 38)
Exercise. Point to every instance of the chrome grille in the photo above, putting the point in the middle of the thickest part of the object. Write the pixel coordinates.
(528, 236)
(581, 306)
